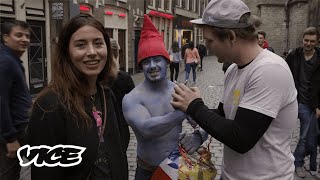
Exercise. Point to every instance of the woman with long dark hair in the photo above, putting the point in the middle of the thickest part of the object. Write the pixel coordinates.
(174, 52)
(192, 59)
(77, 108)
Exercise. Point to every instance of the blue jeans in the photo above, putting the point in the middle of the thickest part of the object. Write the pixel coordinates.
(142, 174)
(307, 144)
(188, 68)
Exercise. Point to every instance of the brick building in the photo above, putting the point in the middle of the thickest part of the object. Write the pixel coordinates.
(285, 20)
(186, 10)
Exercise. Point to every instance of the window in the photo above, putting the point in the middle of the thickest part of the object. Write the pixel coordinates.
(200, 34)
(197, 6)
(167, 5)
(184, 4)
(158, 4)
(190, 5)
(178, 3)
(150, 3)
(202, 5)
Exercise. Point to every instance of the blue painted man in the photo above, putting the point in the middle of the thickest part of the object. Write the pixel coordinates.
(147, 109)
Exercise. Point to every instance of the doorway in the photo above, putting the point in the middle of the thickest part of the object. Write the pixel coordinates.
(37, 57)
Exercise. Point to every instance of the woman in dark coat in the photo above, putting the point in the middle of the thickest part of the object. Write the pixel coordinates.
(77, 108)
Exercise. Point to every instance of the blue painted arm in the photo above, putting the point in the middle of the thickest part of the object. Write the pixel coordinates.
(140, 120)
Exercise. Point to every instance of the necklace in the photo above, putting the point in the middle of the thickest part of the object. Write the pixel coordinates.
(93, 98)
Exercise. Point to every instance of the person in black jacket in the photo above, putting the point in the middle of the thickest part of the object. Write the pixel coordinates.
(304, 63)
(77, 108)
(202, 52)
(121, 86)
(15, 99)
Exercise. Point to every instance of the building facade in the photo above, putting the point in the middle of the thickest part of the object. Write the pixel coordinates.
(185, 11)
(161, 14)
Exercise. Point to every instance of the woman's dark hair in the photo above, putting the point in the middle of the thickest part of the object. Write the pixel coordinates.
(68, 82)
(175, 47)
(191, 45)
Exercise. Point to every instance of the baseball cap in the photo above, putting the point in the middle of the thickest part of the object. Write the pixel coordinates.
(224, 13)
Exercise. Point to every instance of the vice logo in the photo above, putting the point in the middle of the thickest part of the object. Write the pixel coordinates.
(58, 155)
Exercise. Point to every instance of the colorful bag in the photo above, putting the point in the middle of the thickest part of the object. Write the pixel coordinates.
(181, 166)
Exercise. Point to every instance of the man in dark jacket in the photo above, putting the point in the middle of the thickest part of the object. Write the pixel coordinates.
(202, 52)
(14, 96)
(304, 63)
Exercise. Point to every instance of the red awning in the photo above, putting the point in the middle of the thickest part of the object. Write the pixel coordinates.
(160, 14)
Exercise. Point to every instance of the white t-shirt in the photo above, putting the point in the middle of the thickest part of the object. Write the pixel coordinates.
(266, 86)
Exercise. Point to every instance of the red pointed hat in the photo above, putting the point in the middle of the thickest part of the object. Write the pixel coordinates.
(151, 43)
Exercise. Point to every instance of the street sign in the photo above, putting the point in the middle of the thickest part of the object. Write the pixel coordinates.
(57, 10)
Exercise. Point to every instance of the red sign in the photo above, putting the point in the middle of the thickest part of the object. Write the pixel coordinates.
(84, 8)
(160, 14)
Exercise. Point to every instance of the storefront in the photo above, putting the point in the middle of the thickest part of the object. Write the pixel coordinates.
(183, 30)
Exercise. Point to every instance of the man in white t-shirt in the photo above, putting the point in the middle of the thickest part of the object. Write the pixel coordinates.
(258, 111)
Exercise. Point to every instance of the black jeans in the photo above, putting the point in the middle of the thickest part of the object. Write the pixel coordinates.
(174, 67)
(9, 167)
(201, 62)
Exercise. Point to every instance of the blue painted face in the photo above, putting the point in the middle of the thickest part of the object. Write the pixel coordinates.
(155, 68)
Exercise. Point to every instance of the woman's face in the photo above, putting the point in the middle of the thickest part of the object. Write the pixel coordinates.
(88, 51)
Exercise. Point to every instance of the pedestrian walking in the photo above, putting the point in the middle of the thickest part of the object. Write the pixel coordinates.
(304, 63)
(15, 99)
(257, 113)
(77, 108)
(202, 52)
(175, 58)
(192, 59)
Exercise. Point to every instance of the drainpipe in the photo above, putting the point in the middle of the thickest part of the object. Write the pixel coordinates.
(287, 20)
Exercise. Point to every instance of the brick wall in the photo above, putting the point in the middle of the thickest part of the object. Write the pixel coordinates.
(273, 24)
(298, 23)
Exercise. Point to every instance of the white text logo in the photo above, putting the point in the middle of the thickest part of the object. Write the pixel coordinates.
(58, 155)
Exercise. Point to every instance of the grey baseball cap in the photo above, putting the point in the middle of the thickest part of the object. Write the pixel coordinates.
(224, 13)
